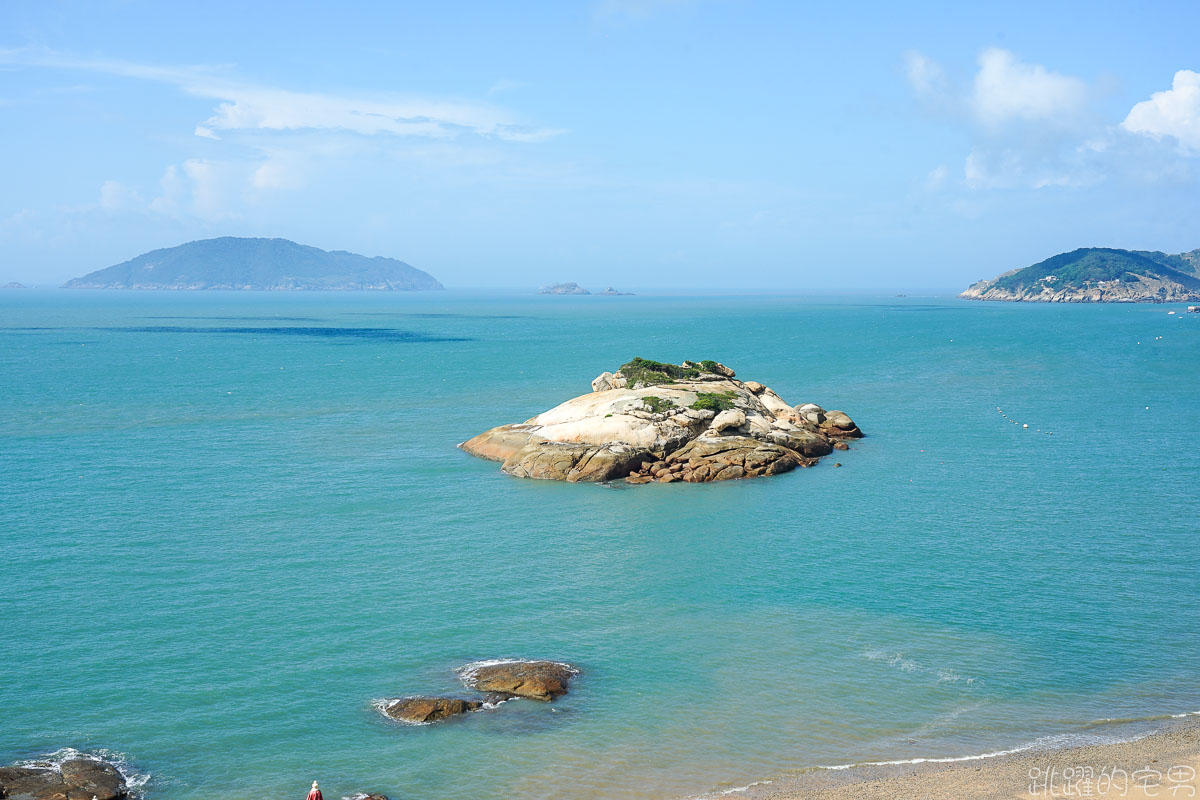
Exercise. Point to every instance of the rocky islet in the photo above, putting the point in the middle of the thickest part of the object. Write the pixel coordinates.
(652, 421)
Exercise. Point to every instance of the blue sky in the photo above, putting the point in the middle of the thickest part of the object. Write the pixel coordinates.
(674, 144)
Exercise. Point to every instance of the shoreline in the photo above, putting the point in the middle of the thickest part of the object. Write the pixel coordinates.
(1159, 762)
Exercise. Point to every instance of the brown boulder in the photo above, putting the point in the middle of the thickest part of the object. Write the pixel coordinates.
(418, 710)
(537, 680)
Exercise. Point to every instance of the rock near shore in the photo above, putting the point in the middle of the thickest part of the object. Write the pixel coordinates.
(421, 710)
(651, 421)
(536, 680)
(82, 778)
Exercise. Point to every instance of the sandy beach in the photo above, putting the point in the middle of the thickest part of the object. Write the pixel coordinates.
(1161, 765)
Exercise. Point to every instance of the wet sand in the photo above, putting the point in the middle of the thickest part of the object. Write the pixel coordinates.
(1165, 764)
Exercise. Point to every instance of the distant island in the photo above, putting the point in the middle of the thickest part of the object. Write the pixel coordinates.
(563, 288)
(13, 285)
(263, 264)
(575, 288)
(1098, 275)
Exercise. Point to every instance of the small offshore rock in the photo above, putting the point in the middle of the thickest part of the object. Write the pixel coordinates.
(536, 680)
(840, 446)
(428, 709)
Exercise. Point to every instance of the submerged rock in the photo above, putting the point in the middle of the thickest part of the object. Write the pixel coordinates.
(639, 423)
(418, 710)
(537, 680)
(80, 778)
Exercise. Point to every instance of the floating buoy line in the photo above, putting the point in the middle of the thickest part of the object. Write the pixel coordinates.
(1023, 425)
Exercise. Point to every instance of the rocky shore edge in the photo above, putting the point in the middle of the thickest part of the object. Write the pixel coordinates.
(651, 421)
(75, 776)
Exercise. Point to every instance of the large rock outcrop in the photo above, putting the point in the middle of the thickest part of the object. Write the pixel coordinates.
(651, 421)
(77, 778)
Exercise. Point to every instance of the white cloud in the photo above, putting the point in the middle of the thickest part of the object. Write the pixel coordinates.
(1032, 128)
(1174, 113)
(1006, 90)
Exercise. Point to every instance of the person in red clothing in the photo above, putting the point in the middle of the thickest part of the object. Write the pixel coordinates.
(315, 793)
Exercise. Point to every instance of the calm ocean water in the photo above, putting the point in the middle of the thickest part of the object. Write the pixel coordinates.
(231, 521)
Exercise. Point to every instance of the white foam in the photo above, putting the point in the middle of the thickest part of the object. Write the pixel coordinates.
(1055, 742)
(746, 788)
(900, 662)
(734, 790)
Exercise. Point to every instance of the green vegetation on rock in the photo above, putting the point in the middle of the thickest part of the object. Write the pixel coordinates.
(714, 401)
(644, 372)
(658, 405)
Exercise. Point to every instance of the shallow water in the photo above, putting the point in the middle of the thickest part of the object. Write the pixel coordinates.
(231, 521)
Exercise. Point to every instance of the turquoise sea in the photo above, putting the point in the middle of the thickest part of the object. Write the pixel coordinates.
(230, 521)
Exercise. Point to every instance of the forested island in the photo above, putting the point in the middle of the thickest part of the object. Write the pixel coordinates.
(1098, 275)
(264, 264)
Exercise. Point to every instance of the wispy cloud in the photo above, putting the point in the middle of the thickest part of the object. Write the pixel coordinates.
(245, 106)
(277, 139)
